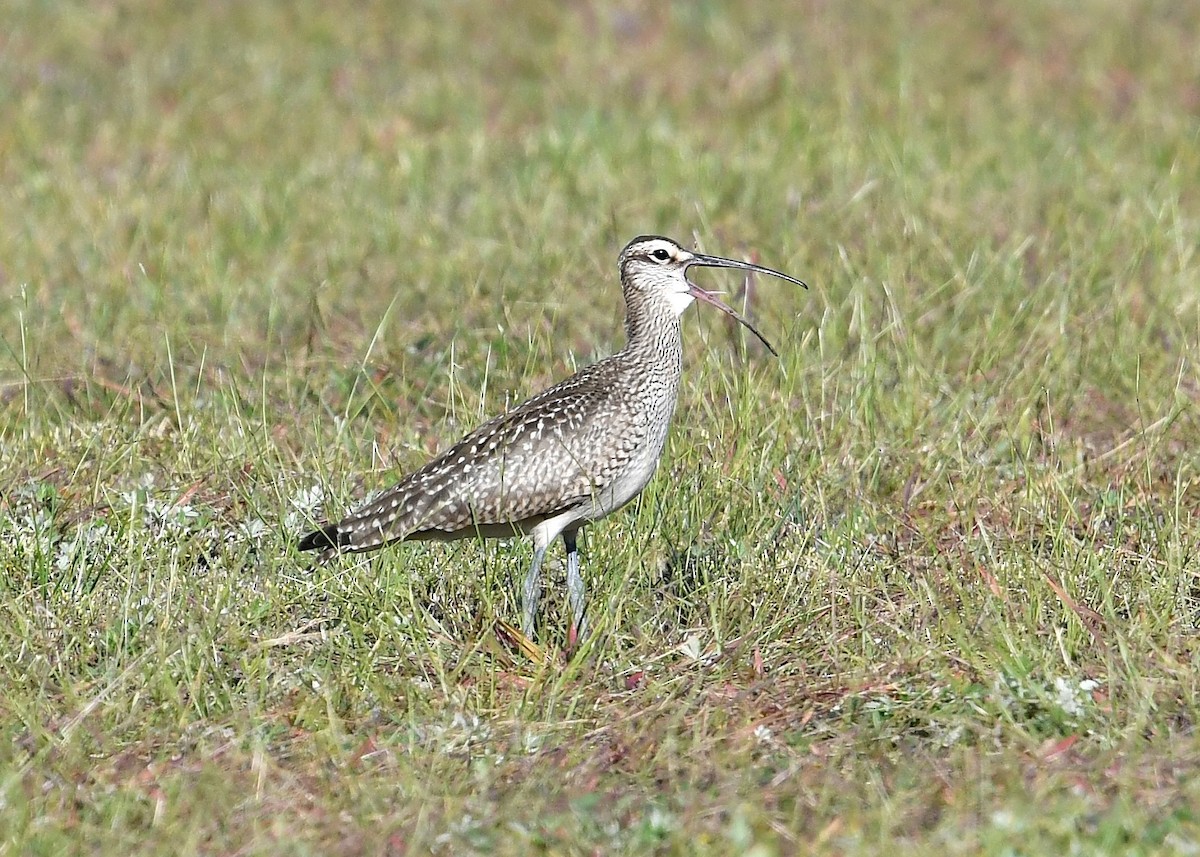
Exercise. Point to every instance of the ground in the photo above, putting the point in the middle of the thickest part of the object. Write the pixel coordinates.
(928, 581)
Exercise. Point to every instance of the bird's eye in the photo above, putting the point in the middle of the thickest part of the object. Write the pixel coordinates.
(660, 255)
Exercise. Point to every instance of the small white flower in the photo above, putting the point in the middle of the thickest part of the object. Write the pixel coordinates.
(1006, 820)
(308, 499)
(64, 556)
(660, 821)
(1068, 697)
(690, 648)
(254, 528)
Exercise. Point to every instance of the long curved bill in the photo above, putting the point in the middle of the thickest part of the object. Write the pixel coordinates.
(708, 297)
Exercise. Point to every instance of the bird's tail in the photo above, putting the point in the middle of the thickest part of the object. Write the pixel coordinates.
(328, 540)
(371, 527)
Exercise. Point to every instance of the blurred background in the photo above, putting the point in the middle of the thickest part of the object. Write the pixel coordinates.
(269, 179)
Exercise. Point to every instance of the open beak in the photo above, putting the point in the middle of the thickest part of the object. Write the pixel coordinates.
(711, 299)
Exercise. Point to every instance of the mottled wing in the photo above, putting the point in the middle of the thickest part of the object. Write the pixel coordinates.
(551, 454)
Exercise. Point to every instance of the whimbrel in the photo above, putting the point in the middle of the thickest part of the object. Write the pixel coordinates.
(566, 457)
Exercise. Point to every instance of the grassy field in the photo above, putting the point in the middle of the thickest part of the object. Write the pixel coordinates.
(929, 581)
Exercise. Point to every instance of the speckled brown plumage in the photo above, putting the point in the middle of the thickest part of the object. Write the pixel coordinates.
(568, 456)
(561, 451)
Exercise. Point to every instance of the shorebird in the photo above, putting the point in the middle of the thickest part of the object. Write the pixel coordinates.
(570, 455)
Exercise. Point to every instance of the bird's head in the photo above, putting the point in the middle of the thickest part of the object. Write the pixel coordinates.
(657, 267)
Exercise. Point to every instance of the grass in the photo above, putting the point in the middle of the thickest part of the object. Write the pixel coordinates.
(930, 580)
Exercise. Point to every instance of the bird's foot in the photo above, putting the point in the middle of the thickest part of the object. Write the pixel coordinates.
(576, 632)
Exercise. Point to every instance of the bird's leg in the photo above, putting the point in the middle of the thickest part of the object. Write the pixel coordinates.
(530, 593)
(575, 591)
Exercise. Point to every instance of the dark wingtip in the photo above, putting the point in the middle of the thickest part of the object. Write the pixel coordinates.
(326, 538)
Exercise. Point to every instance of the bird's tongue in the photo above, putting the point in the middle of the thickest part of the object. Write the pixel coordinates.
(711, 299)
